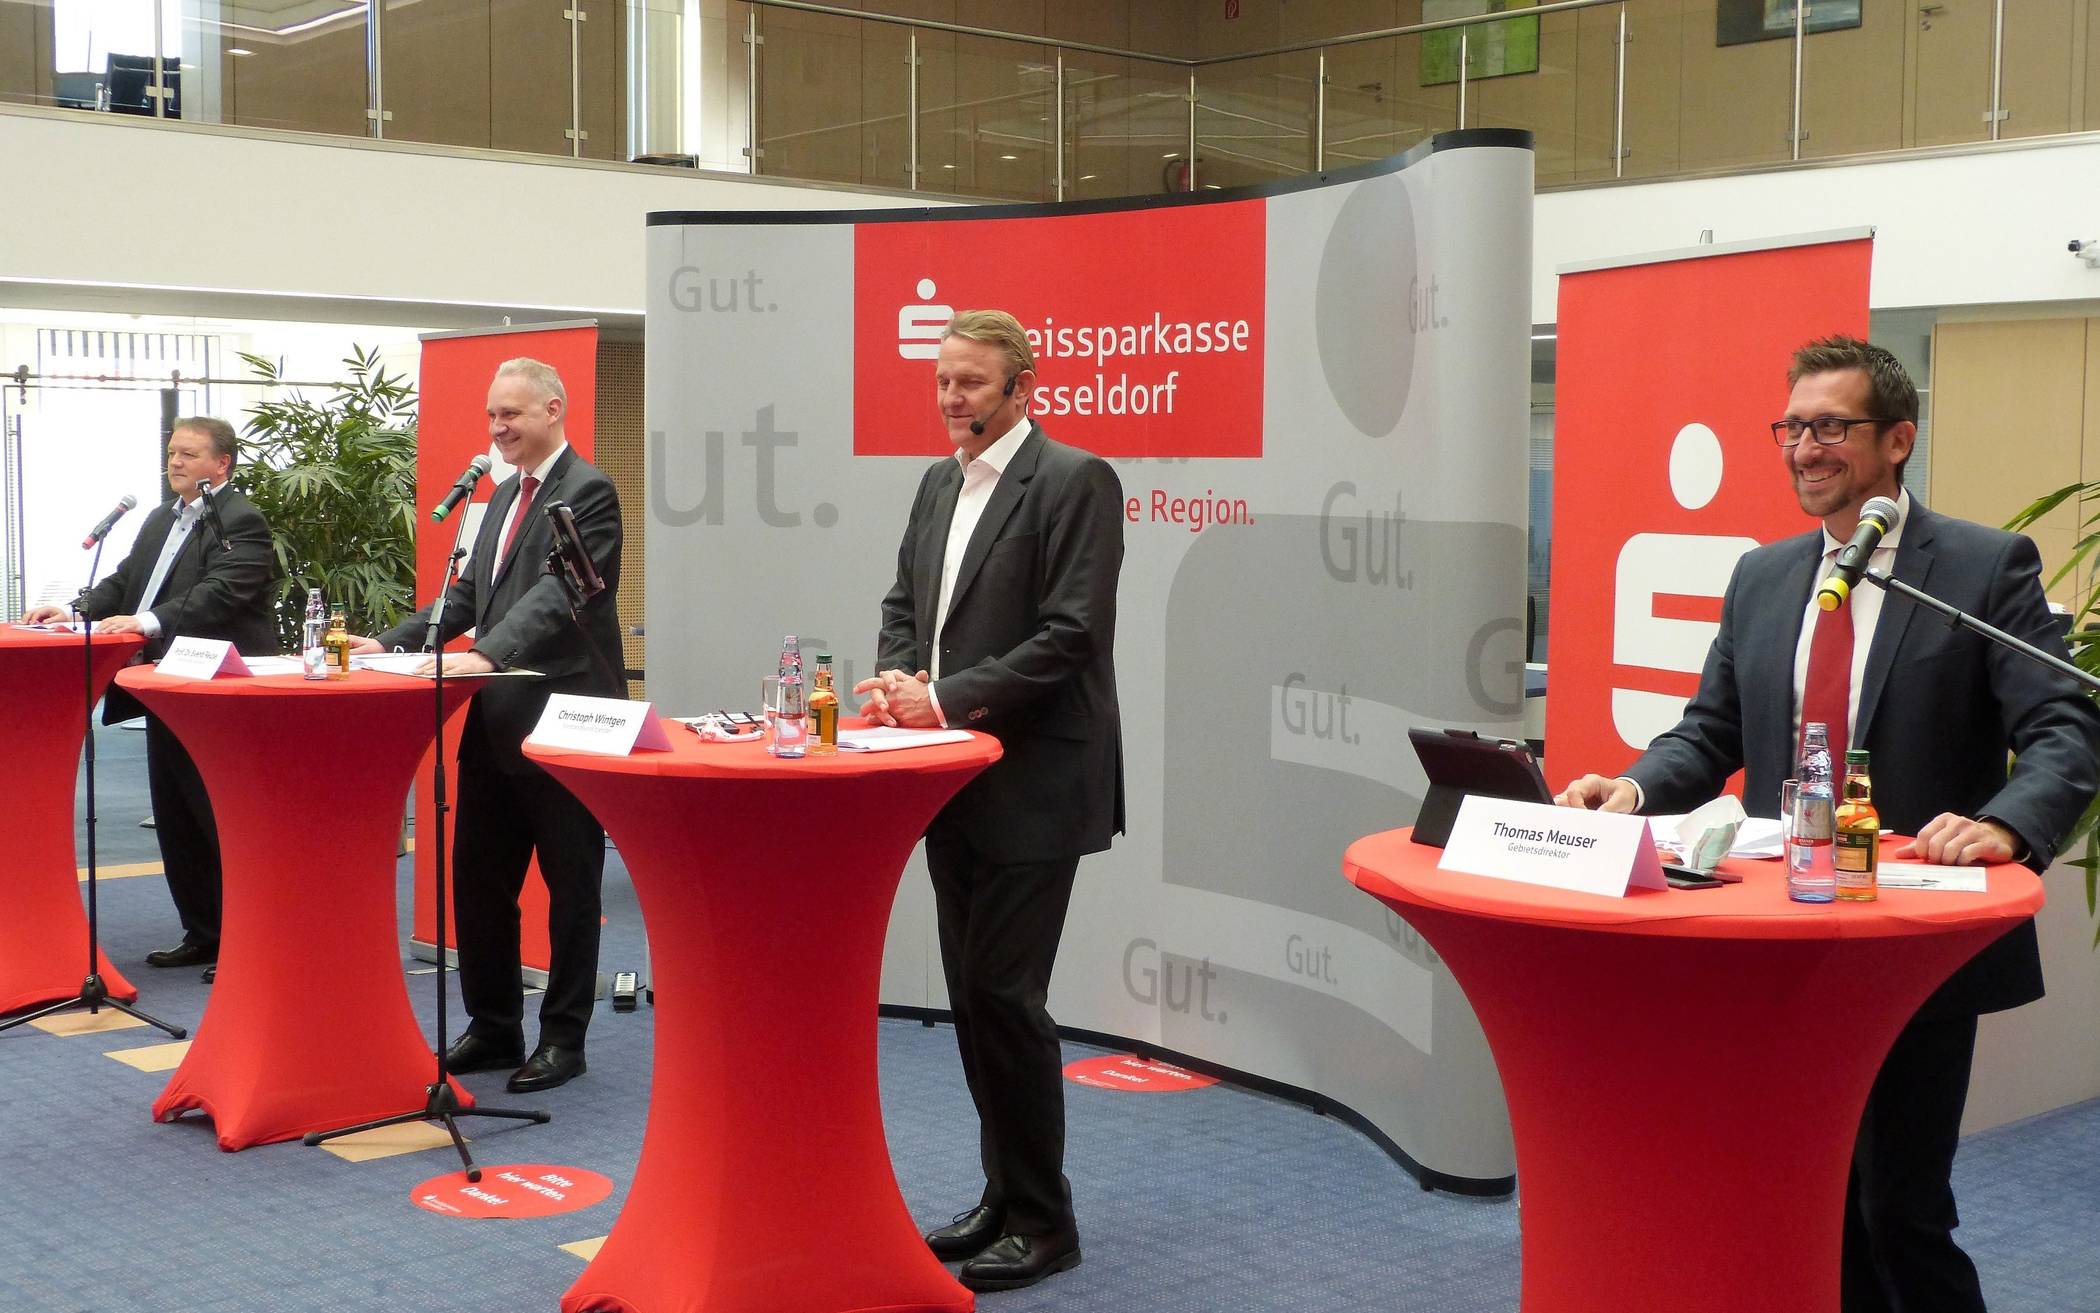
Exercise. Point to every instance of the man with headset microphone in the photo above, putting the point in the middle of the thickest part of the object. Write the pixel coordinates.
(1939, 708)
(204, 562)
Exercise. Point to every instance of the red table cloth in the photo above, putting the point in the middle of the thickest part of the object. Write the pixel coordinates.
(765, 1182)
(309, 1026)
(43, 718)
(1685, 1069)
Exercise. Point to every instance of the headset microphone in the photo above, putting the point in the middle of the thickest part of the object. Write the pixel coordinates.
(977, 425)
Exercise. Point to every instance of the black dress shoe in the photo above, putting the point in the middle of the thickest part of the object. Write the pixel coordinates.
(548, 1067)
(184, 954)
(969, 1233)
(471, 1052)
(1014, 1261)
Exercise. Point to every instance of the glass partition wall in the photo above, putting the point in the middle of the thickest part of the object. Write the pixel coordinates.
(833, 93)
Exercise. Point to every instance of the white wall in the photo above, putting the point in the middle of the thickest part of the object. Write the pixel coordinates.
(1988, 228)
(100, 199)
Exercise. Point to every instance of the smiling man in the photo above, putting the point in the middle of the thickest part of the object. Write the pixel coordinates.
(1003, 619)
(182, 573)
(509, 809)
(1939, 709)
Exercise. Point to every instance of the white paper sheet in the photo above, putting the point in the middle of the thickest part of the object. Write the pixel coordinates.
(885, 738)
(1923, 875)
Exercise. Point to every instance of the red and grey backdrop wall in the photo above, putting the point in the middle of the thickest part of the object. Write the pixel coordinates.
(1672, 368)
(452, 429)
(1316, 401)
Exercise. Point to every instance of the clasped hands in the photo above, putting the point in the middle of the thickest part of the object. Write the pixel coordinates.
(1946, 840)
(895, 698)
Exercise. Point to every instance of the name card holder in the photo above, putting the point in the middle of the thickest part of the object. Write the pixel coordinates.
(1590, 852)
(612, 727)
(201, 658)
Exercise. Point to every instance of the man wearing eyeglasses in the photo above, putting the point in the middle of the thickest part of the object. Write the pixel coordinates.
(1939, 708)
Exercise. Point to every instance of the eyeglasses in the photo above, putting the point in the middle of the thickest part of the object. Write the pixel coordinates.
(1830, 430)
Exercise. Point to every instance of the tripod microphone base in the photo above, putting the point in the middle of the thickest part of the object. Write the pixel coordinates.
(94, 996)
(440, 1104)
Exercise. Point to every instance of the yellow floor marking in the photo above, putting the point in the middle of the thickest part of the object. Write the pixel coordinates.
(389, 1142)
(585, 1249)
(120, 872)
(83, 1022)
(152, 1057)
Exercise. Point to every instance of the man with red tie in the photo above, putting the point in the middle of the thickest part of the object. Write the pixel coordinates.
(1939, 708)
(508, 808)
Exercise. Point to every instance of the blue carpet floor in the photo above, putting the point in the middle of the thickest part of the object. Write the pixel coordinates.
(1215, 1199)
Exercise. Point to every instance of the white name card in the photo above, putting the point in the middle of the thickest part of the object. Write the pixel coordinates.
(201, 658)
(614, 727)
(1558, 847)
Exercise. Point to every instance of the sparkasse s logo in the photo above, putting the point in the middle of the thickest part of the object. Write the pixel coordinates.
(1146, 326)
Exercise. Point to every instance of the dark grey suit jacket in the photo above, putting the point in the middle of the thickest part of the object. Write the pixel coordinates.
(1938, 708)
(213, 590)
(1028, 652)
(522, 619)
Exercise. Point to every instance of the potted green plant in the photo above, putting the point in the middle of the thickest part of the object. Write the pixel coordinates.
(2084, 642)
(336, 478)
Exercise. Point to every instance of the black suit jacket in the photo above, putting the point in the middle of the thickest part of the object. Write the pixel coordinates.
(1028, 652)
(213, 590)
(521, 618)
(1937, 707)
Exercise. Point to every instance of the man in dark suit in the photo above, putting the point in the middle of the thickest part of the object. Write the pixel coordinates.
(1939, 708)
(508, 808)
(195, 571)
(1003, 619)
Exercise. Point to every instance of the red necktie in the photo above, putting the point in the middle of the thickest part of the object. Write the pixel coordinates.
(1827, 693)
(531, 485)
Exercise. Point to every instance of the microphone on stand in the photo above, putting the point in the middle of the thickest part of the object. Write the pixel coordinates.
(109, 521)
(476, 470)
(1875, 519)
(568, 545)
(211, 512)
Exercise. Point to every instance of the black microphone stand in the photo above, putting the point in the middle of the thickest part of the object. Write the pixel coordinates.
(576, 593)
(440, 1104)
(94, 991)
(1960, 619)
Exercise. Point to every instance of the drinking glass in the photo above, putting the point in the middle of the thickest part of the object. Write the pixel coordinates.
(769, 702)
(1789, 804)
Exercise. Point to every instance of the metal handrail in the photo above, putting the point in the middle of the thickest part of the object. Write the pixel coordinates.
(1351, 38)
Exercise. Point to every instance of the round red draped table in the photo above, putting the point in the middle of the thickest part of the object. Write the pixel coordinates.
(765, 1181)
(1685, 1069)
(43, 718)
(309, 1026)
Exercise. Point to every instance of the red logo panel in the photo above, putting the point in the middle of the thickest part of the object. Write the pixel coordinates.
(516, 1190)
(1147, 325)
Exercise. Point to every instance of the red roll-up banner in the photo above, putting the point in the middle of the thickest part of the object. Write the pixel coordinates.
(1671, 370)
(452, 429)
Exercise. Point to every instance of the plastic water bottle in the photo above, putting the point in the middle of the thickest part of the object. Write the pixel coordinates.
(1811, 867)
(791, 723)
(313, 656)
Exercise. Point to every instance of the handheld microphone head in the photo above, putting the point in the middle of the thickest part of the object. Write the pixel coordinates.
(101, 531)
(128, 502)
(1875, 519)
(477, 469)
(1881, 510)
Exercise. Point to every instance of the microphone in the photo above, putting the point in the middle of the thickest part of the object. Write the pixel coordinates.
(211, 512)
(477, 469)
(101, 531)
(977, 425)
(568, 545)
(1874, 520)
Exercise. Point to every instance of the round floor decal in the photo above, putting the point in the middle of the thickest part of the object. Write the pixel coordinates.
(1125, 1071)
(513, 1190)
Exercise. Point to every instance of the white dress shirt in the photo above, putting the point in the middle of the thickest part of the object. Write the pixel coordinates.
(980, 476)
(187, 513)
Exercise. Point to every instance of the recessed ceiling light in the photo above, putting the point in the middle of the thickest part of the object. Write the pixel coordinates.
(1171, 155)
(1088, 177)
(1212, 186)
(947, 166)
(236, 50)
